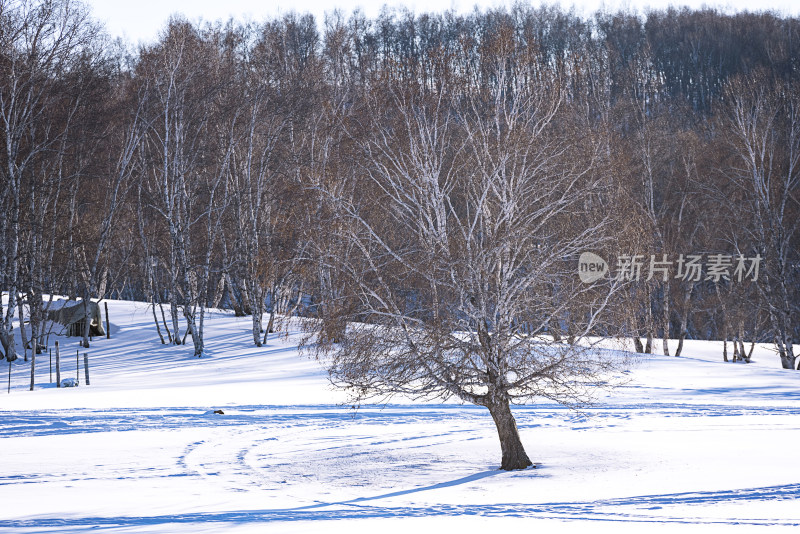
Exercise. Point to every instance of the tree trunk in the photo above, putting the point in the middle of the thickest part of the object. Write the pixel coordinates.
(12, 273)
(724, 324)
(665, 318)
(235, 296)
(270, 325)
(22, 332)
(218, 294)
(680, 343)
(173, 310)
(173, 290)
(724, 337)
(33, 368)
(155, 320)
(742, 354)
(649, 320)
(257, 303)
(197, 328)
(298, 301)
(273, 304)
(35, 315)
(87, 320)
(191, 328)
(789, 350)
(785, 362)
(649, 324)
(571, 333)
(514, 456)
(687, 296)
(164, 321)
(152, 290)
(554, 329)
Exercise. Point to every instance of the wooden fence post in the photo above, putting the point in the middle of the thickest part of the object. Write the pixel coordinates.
(33, 363)
(58, 367)
(86, 367)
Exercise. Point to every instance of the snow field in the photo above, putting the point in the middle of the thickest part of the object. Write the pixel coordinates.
(687, 444)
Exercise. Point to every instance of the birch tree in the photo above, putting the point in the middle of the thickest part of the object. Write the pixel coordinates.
(188, 148)
(256, 176)
(41, 41)
(122, 135)
(763, 117)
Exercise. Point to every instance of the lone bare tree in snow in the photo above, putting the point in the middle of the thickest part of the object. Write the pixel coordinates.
(469, 221)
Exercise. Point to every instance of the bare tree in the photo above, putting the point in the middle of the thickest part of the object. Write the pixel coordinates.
(256, 178)
(124, 134)
(41, 43)
(470, 223)
(187, 149)
(763, 118)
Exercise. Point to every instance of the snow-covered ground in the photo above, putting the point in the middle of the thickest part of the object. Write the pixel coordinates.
(688, 444)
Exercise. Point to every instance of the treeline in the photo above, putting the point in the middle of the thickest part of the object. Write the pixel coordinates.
(241, 165)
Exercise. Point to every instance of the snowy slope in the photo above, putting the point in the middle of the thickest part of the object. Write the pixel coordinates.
(686, 444)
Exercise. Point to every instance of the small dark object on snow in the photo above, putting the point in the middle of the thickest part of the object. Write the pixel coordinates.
(220, 412)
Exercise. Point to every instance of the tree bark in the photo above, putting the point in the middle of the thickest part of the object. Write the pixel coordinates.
(665, 318)
(785, 362)
(724, 324)
(257, 303)
(173, 304)
(87, 320)
(191, 327)
(155, 320)
(514, 455)
(22, 333)
(687, 296)
(240, 307)
(742, 354)
(164, 321)
(554, 329)
(650, 325)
